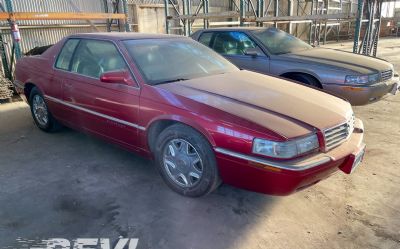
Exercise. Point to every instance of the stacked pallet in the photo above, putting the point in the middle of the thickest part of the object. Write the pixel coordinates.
(5, 88)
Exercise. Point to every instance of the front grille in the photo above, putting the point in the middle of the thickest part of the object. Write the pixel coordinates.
(337, 135)
(386, 75)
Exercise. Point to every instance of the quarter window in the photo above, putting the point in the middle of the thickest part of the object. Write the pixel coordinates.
(93, 58)
(66, 53)
(205, 38)
(233, 43)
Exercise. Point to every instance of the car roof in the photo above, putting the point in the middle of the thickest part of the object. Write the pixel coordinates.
(235, 28)
(123, 36)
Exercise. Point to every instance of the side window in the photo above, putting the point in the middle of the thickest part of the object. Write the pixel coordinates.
(64, 58)
(205, 38)
(93, 58)
(233, 43)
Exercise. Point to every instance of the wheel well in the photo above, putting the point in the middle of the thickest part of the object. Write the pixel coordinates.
(27, 90)
(155, 129)
(159, 126)
(290, 75)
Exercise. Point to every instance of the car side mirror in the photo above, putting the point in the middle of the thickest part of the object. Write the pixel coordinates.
(117, 77)
(254, 52)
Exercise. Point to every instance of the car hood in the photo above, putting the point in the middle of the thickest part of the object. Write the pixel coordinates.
(340, 60)
(285, 107)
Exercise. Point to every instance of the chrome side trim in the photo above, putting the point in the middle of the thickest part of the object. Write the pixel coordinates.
(95, 113)
(286, 166)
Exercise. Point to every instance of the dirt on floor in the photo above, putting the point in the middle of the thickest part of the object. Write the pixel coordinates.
(70, 185)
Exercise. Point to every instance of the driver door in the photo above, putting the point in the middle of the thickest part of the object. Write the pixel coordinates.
(109, 110)
(233, 46)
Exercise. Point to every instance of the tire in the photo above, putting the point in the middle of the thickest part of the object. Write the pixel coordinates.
(42, 116)
(305, 79)
(187, 144)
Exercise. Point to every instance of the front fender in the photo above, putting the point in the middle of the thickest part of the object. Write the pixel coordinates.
(184, 120)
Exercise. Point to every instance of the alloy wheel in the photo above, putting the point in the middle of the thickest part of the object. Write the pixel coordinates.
(182, 163)
(40, 110)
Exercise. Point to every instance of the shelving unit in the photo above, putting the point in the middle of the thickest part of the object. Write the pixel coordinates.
(361, 18)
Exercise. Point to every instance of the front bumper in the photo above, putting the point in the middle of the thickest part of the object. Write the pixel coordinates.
(362, 95)
(284, 178)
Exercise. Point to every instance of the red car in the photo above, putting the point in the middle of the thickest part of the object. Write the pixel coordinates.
(202, 119)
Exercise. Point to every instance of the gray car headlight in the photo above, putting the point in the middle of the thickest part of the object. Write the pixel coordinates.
(362, 79)
(288, 149)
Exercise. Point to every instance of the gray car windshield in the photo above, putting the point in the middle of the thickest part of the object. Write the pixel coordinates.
(168, 60)
(279, 42)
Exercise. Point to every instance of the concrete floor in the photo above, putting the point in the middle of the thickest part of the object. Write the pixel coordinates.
(70, 185)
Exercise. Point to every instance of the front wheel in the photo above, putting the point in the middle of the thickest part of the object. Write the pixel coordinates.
(305, 79)
(186, 161)
(40, 112)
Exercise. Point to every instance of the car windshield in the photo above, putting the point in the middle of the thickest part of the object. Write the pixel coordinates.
(280, 42)
(168, 60)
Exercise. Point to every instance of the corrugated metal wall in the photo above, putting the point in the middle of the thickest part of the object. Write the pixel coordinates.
(45, 32)
(36, 37)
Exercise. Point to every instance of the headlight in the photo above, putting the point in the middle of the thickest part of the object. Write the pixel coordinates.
(362, 79)
(287, 149)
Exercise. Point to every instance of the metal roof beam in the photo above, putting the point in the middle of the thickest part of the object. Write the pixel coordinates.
(59, 16)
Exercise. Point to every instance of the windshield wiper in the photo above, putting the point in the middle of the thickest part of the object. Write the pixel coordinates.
(170, 81)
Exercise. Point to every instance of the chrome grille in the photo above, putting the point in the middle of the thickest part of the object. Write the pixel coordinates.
(337, 135)
(386, 75)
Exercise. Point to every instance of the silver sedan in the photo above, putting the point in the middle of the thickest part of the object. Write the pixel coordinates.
(357, 78)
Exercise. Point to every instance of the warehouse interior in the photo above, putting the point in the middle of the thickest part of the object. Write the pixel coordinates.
(71, 185)
(316, 22)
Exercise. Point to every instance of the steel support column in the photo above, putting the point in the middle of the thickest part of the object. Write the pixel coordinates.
(108, 21)
(125, 9)
(17, 47)
(205, 11)
(276, 10)
(378, 31)
(185, 21)
(260, 10)
(242, 11)
(360, 7)
(326, 3)
(166, 9)
(290, 13)
(368, 32)
(310, 41)
(189, 12)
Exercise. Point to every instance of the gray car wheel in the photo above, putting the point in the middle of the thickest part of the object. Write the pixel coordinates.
(186, 161)
(41, 113)
(305, 79)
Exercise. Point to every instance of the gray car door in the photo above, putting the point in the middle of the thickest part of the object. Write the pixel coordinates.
(236, 47)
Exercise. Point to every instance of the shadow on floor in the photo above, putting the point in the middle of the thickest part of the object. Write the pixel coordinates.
(70, 185)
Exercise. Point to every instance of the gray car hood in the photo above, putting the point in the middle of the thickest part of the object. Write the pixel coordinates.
(339, 60)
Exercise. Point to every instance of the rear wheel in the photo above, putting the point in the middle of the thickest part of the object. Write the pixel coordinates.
(186, 161)
(305, 79)
(40, 112)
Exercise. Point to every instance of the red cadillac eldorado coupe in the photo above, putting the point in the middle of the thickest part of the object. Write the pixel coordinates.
(202, 119)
